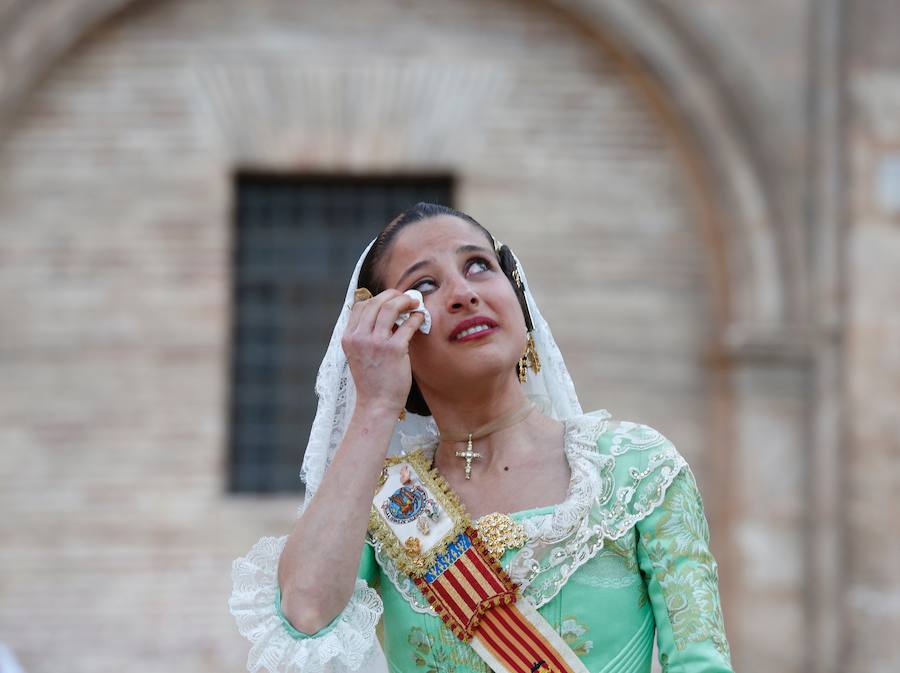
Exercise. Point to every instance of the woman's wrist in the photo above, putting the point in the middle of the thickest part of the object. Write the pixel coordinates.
(377, 411)
(368, 434)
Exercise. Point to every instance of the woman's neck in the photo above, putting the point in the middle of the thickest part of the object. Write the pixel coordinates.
(457, 415)
(474, 404)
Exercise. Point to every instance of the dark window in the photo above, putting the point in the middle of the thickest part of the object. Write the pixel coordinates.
(296, 241)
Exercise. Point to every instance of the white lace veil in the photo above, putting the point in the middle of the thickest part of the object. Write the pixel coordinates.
(551, 389)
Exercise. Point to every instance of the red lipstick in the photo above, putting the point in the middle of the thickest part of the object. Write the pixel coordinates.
(473, 322)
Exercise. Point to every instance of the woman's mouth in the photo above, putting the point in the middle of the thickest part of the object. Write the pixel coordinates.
(473, 328)
(473, 332)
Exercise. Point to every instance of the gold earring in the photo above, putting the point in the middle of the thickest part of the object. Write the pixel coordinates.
(534, 360)
(529, 360)
(402, 416)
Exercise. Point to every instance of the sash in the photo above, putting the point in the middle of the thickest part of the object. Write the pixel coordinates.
(427, 533)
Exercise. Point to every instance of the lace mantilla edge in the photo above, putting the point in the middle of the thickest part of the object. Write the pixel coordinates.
(345, 647)
(610, 491)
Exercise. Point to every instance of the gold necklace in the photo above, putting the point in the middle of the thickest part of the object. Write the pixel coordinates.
(500, 423)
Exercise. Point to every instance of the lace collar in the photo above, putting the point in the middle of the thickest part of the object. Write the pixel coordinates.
(580, 434)
(585, 484)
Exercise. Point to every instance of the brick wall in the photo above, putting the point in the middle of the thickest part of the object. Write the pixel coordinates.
(114, 206)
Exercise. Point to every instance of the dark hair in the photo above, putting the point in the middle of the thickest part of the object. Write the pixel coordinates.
(369, 277)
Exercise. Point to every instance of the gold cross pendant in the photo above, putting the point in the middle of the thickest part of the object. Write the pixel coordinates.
(468, 454)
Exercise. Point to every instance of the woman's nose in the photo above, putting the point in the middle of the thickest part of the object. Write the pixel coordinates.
(461, 295)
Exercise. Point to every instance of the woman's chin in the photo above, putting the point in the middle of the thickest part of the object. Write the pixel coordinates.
(473, 363)
(478, 371)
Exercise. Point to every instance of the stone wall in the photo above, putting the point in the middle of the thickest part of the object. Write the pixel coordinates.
(872, 254)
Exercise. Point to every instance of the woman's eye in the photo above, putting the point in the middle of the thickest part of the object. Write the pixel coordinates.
(424, 286)
(478, 265)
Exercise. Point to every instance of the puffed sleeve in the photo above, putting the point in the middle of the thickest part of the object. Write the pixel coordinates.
(346, 644)
(682, 582)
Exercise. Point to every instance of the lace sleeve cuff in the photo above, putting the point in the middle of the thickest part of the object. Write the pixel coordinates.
(343, 645)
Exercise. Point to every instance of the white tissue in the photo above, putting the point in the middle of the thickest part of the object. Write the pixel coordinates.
(425, 327)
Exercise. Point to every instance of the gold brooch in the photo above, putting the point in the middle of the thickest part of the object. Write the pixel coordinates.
(499, 532)
(413, 546)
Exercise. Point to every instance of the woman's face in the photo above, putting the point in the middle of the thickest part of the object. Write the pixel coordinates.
(477, 325)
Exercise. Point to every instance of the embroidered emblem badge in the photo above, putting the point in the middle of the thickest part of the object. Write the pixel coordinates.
(406, 504)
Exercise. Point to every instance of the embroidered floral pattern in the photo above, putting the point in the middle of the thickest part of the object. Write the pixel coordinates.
(447, 655)
(614, 567)
(686, 571)
(571, 631)
(625, 549)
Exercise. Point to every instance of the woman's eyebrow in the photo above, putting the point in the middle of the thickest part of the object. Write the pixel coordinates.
(472, 248)
(415, 267)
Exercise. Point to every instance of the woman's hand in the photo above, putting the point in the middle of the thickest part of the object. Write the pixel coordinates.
(378, 350)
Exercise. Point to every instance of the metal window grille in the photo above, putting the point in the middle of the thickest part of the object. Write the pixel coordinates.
(296, 241)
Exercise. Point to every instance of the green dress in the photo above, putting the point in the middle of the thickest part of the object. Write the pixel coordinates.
(623, 558)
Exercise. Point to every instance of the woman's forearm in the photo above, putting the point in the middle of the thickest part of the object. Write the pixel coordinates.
(317, 569)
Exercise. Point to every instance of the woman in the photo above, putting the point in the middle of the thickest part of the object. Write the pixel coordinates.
(597, 523)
